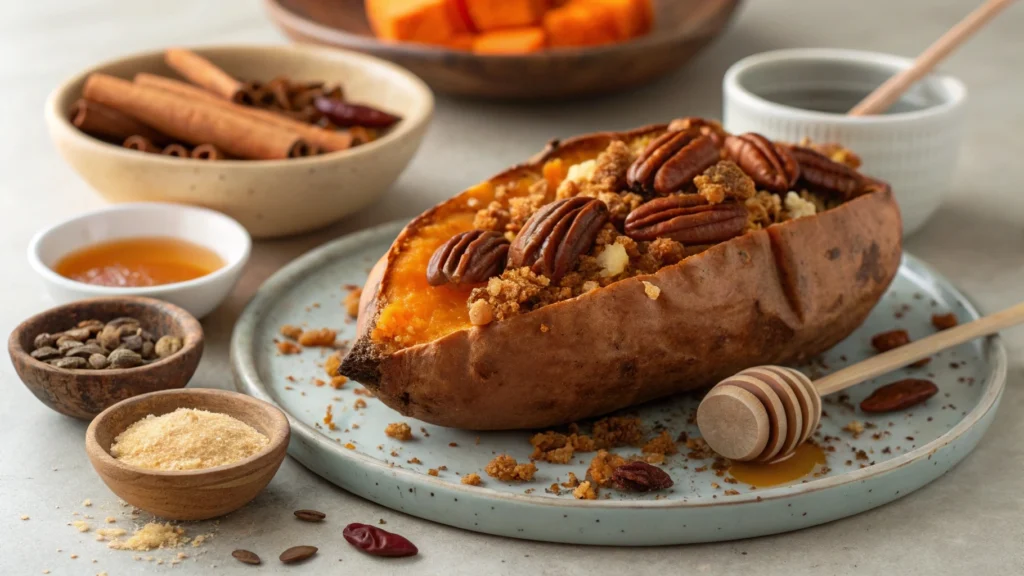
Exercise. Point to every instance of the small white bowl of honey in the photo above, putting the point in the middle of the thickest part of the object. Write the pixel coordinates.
(186, 255)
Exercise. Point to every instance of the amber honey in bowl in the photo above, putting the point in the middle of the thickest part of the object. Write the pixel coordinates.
(140, 261)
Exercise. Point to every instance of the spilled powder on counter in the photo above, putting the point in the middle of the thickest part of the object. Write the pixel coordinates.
(109, 533)
(151, 536)
(187, 439)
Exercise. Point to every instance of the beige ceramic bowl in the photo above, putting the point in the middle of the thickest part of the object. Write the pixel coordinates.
(268, 197)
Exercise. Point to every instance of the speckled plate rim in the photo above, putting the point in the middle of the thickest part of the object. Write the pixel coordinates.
(247, 380)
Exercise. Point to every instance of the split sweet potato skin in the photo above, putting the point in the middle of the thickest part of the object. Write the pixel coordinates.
(772, 296)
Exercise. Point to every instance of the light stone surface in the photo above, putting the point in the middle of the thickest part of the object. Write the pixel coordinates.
(969, 522)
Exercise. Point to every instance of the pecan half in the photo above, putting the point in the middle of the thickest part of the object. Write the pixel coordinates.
(686, 218)
(468, 258)
(772, 167)
(822, 174)
(899, 395)
(556, 235)
(885, 341)
(640, 477)
(671, 161)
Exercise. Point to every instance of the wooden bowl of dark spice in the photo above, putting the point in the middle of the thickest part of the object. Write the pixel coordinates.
(82, 357)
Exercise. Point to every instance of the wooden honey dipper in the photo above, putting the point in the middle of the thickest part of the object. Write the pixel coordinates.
(763, 413)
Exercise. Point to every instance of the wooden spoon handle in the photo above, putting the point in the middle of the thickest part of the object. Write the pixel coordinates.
(889, 92)
(918, 350)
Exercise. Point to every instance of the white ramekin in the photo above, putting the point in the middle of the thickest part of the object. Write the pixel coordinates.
(915, 151)
(213, 230)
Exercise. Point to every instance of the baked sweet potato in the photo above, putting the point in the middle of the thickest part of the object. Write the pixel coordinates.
(576, 331)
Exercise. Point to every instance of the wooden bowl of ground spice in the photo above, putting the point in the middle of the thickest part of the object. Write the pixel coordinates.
(58, 353)
(188, 454)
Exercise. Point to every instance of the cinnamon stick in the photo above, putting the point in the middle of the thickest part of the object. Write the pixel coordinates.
(176, 150)
(141, 143)
(327, 140)
(194, 121)
(208, 152)
(102, 122)
(202, 72)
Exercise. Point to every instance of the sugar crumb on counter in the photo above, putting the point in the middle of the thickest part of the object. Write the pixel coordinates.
(571, 482)
(359, 404)
(472, 479)
(399, 431)
(505, 468)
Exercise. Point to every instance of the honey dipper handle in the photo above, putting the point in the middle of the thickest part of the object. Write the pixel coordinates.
(910, 353)
(889, 92)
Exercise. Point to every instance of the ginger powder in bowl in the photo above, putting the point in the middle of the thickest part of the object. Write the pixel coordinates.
(187, 439)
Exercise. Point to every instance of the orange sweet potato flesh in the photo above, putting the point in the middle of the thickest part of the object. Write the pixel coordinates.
(512, 41)
(425, 21)
(771, 296)
(631, 17)
(581, 23)
(497, 14)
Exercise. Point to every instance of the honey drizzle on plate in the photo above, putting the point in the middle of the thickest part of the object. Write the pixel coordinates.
(139, 261)
(804, 460)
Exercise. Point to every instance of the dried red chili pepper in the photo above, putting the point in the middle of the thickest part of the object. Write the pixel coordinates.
(345, 114)
(377, 542)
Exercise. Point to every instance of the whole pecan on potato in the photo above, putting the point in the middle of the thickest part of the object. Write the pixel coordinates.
(771, 166)
(670, 162)
(556, 235)
(468, 258)
(823, 174)
(640, 477)
(899, 395)
(686, 218)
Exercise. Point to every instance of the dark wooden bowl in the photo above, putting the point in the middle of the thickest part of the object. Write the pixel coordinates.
(681, 29)
(85, 393)
(189, 494)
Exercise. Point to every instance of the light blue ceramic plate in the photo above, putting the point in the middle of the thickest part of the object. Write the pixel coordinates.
(922, 443)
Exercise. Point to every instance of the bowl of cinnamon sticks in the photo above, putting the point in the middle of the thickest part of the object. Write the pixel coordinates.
(285, 139)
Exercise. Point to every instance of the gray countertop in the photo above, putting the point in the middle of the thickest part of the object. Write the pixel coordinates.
(969, 522)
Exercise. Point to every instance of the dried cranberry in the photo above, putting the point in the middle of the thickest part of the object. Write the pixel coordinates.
(377, 542)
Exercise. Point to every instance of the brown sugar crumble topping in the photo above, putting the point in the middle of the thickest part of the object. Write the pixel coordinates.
(286, 347)
(472, 479)
(398, 430)
(352, 302)
(505, 468)
(289, 331)
(638, 233)
(322, 337)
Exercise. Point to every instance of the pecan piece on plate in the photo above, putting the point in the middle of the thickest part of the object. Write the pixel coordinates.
(885, 341)
(899, 395)
(686, 218)
(823, 174)
(771, 166)
(468, 258)
(640, 477)
(556, 235)
(671, 161)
